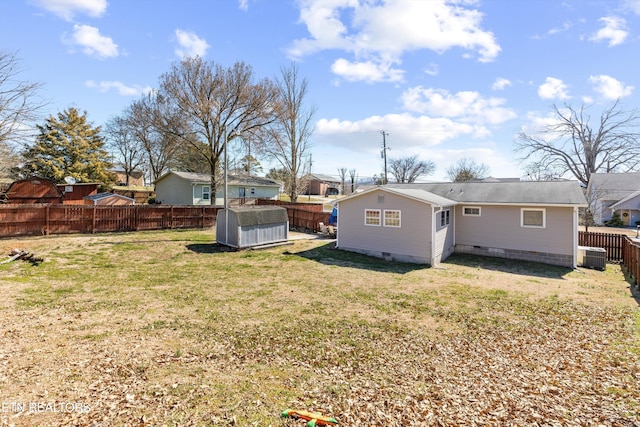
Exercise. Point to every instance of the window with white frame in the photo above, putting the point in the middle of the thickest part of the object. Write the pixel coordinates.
(533, 217)
(470, 211)
(372, 217)
(253, 191)
(445, 217)
(391, 218)
(206, 192)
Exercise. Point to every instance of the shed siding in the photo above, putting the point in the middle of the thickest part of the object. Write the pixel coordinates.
(411, 242)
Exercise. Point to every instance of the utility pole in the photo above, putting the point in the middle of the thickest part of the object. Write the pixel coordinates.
(383, 154)
(309, 180)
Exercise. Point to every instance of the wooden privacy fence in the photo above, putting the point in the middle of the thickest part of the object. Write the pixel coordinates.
(21, 220)
(610, 241)
(619, 247)
(30, 220)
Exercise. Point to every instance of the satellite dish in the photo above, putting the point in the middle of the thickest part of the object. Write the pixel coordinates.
(69, 180)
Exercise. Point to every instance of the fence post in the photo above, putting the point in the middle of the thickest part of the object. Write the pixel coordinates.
(46, 221)
(93, 220)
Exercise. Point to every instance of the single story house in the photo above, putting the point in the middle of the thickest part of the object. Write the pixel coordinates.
(134, 178)
(33, 190)
(610, 192)
(425, 223)
(188, 188)
(108, 199)
(322, 185)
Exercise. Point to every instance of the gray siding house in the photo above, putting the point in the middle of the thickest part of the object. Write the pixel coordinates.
(610, 192)
(425, 223)
(188, 188)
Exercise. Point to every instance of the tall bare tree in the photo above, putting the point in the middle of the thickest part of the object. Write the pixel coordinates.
(122, 141)
(143, 117)
(467, 169)
(573, 146)
(342, 172)
(288, 136)
(352, 176)
(217, 104)
(19, 106)
(409, 169)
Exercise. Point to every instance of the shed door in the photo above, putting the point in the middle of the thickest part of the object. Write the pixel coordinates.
(242, 191)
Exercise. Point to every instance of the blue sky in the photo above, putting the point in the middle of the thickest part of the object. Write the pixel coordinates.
(445, 79)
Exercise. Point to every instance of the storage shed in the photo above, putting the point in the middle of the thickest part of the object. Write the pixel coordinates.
(246, 227)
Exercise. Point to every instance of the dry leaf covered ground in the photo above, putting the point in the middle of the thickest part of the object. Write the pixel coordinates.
(167, 328)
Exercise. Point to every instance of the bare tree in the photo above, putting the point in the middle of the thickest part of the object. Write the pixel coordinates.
(288, 136)
(409, 169)
(216, 104)
(342, 172)
(467, 169)
(9, 160)
(19, 107)
(161, 148)
(571, 146)
(121, 139)
(352, 177)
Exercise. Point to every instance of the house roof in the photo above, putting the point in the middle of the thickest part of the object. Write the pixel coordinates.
(629, 202)
(614, 186)
(204, 178)
(321, 177)
(500, 193)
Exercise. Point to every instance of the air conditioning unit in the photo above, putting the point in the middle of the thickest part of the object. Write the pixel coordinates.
(592, 257)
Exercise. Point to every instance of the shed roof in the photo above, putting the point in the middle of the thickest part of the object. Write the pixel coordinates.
(322, 177)
(260, 215)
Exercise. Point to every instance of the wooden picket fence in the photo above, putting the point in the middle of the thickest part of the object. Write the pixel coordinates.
(619, 247)
(45, 219)
(611, 242)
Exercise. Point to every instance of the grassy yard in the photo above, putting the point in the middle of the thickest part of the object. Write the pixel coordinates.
(168, 328)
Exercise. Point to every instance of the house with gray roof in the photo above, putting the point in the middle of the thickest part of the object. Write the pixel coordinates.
(611, 192)
(188, 188)
(425, 223)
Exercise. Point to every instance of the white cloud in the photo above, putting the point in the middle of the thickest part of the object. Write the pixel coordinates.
(614, 31)
(190, 45)
(609, 87)
(121, 88)
(92, 42)
(466, 106)
(566, 26)
(553, 88)
(633, 5)
(381, 32)
(366, 71)
(406, 130)
(67, 9)
(243, 4)
(500, 83)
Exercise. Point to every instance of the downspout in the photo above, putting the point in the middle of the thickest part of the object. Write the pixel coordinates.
(433, 235)
(575, 237)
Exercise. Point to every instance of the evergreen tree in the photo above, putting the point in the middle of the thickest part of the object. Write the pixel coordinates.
(68, 146)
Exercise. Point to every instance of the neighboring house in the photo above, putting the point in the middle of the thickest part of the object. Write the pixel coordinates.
(136, 177)
(74, 194)
(108, 199)
(610, 192)
(33, 190)
(322, 185)
(188, 188)
(425, 223)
